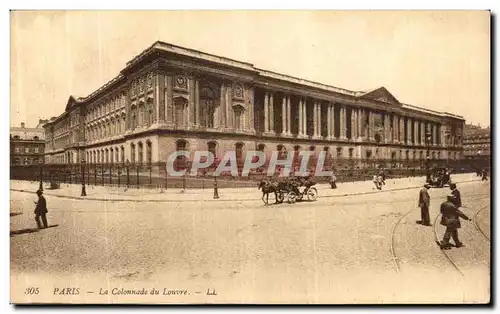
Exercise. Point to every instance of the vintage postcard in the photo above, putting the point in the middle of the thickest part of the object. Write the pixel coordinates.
(250, 157)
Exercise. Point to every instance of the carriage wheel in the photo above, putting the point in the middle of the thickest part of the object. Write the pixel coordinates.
(292, 197)
(281, 197)
(312, 194)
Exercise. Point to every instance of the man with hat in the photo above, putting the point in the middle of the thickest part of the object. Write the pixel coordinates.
(457, 199)
(451, 219)
(41, 210)
(424, 204)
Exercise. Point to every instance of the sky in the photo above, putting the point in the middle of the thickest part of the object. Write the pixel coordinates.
(438, 60)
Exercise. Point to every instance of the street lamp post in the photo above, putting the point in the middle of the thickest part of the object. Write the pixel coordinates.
(128, 177)
(84, 193)
(41, 175)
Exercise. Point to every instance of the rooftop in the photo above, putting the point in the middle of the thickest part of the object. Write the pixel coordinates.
(182, 51)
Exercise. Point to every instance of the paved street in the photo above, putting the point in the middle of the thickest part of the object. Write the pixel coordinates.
(337, 249)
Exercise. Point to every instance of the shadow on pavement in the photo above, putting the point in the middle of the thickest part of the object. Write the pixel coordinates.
(29, 230)
(15, 214)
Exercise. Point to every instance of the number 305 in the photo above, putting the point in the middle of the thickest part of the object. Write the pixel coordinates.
(31, 291)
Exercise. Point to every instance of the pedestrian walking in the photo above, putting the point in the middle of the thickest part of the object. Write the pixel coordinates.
(457, 199)
(376, 181)
(333, 181)
(41, 210)
(451, 219)
(424, 204)
(484, 175)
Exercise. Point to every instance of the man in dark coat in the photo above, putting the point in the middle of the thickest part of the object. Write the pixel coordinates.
(457, 199)
(424, 203)
(484, 175)
(41, 210)
(451, 219)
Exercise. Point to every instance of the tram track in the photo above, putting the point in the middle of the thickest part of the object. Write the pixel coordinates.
(448, 257)
(476, 225)
(395, 259)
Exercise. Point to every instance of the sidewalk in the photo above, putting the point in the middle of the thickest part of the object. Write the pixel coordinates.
(106, 193)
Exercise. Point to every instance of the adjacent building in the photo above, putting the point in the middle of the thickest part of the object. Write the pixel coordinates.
(172, 98)
(477, 142)
(27, 145)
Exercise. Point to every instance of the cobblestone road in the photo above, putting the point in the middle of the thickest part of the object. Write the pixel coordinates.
(334, 250)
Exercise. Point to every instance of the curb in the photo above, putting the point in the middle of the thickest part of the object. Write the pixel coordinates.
(80, 198)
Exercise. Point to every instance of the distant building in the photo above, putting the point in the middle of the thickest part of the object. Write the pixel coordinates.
(27, 145)
(477, 141)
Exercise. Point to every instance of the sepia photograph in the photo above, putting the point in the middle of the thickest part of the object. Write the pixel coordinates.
(250, 157)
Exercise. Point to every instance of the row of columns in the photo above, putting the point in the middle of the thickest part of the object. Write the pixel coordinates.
(358, 117)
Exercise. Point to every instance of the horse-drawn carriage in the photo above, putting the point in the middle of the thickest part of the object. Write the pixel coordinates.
(291, 190)
(439, 177)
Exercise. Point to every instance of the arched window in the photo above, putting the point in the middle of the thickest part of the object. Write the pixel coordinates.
(141, 152)
(261, 147)
(339, 152)
(149, 152)
(141, 115)
(132, 152)
(111, 155)
(351, 153)
(122, 149)
(212, 147)
(181, 145)
(150, 117)
(98, 156)
(239, 151)
(118, 126)
(35, 138)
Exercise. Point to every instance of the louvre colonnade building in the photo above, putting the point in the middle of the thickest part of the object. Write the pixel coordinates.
(171, 98)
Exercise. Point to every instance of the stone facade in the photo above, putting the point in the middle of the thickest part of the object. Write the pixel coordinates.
(170, 97)
(27, 144)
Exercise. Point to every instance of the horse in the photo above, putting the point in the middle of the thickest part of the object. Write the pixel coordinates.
(267, 188)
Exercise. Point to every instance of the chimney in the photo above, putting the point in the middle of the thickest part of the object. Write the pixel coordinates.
(22, 125)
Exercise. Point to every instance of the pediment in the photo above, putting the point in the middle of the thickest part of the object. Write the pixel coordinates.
(381, 94)
(71, 102)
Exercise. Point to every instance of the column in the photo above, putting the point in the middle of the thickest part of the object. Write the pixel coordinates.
(387, 127)
(360, 123)
(299, 111)
(266, 112)
(284, 115)
(354, 124)
(394, 128)
(160, 98)
(222, 107)
(371, 125)
(197, 101)
(271, 113)
(320, 127)
(401, 132)
(168, 101)
(329, 121)
(422, 133)
(304, 117)
(408, 131)
(315, 119)
(343, 120)
(434, 135)
(332, 119)
(416, 138)
(229, 109)
(288, 115)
